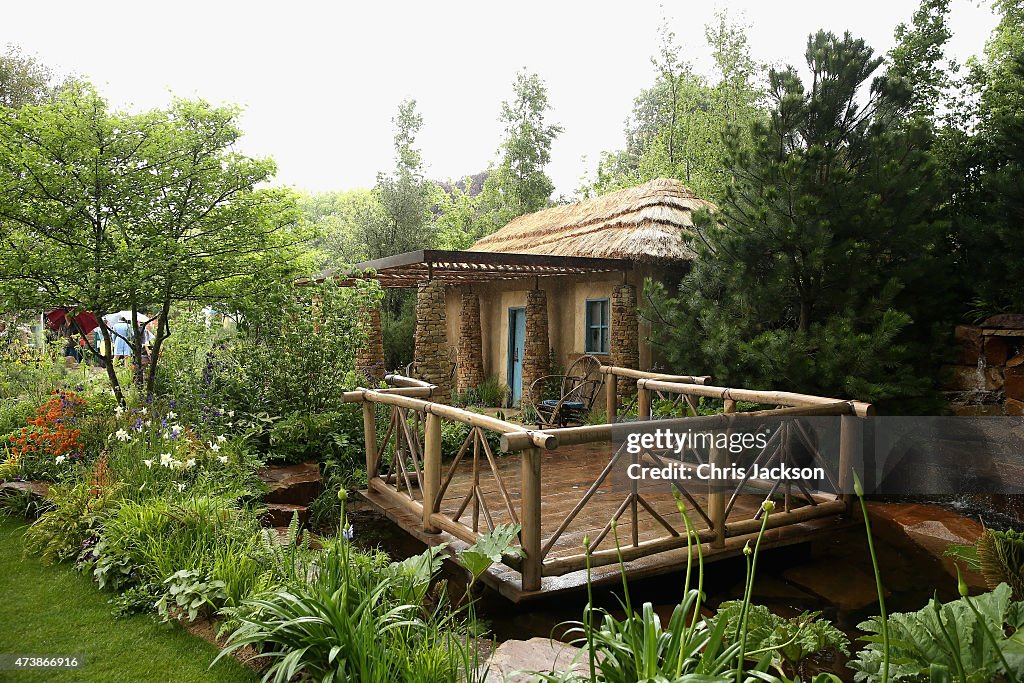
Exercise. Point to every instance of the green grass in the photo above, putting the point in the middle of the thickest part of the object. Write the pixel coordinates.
(56, 611)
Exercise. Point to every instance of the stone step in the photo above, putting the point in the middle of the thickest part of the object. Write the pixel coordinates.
(513, 658)
(292, 484)
(280, 514)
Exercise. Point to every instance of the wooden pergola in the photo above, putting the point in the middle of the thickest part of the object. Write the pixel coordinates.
(463, 267)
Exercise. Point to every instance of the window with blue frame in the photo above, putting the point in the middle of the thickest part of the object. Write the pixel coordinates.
(597, 325)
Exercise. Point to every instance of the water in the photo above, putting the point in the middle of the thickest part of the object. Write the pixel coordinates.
(832, 575)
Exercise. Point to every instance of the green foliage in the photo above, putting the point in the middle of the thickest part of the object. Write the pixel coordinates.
(76, 511)
(492, 392)
(297, 350)
(188, 592)
(345, 624)
(916, 62)
(676, 127)
(998, 556)
(490, 548)
(969, 639)
(211, 234)
(791, 640)
(23, 79)
(519, 185)
(404, 197)
(791, 280)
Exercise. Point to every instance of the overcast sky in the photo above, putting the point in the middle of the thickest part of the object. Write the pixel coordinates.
(320, 81)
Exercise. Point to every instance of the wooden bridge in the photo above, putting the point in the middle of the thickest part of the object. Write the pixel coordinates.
(564, 486)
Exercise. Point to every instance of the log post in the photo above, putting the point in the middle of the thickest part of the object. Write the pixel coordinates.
(431, 470)
(529, 515)
(717, 492)
(370, 438)
(643, 401)
(611, 398)
(851, 443)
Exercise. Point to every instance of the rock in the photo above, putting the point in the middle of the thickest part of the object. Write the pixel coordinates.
(978, 410)
(292, 484)
(514, 657)
(846, 586)
(1013, 387)
(1005, 321)
(1013, 407)
(280, 514)
(997, 350)
(965, 377)
(36, 489)
(930, 527)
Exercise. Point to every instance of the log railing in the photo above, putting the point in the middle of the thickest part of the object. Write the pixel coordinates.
(405, 466)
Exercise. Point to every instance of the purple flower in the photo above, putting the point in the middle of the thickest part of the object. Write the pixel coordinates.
(347, 532)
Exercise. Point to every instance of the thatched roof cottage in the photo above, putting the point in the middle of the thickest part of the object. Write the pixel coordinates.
(547, 288)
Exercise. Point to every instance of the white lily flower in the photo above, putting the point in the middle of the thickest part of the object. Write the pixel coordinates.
(190, 463)
(177, 465)
(231, 413)
(181, 486)
(223, 459)
(221, 438)
(142, 410)
(214, 446)
(148, 463)
(118, 411)
(60, 458)
(122, 435)
(171, 415)
(166, 459)
(148, 423)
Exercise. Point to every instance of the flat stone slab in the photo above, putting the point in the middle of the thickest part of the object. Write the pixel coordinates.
(292, 484)
(514, 660)
(930, 527)
(280, 514)
(37, 489)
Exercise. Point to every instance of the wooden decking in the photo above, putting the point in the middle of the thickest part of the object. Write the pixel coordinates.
(567, 473)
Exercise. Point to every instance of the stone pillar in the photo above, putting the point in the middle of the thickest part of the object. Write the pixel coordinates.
(536, 356)
(625, 341)
(370, 359)
(471, 357)
(430, 351)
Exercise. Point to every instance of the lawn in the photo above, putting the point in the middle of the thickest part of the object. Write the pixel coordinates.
(56, 611)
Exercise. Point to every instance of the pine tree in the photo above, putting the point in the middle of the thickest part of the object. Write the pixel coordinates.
(801, 278)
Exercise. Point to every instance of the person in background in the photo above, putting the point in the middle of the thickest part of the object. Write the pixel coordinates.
(122, 334)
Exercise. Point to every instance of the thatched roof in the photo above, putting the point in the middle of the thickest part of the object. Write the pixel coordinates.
(642, 223)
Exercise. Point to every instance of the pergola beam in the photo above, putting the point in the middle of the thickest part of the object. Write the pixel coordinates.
(411, 268)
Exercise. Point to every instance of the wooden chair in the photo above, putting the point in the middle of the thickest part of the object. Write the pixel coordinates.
(578, 388)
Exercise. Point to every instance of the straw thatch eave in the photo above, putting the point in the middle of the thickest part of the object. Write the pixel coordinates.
(646, 223)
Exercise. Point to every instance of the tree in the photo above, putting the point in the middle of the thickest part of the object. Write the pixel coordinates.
(519, 185)
(677, 125)
(405, 196)
(336, 220)
(23, 79)
(819, 255)
(916, 61)
(134, 212)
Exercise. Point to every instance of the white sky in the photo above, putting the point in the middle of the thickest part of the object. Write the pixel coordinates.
(320, 81)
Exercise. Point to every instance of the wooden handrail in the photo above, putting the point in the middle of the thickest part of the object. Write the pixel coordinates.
(728, 393)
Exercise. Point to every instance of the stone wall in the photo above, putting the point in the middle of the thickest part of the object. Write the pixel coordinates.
(470, 371)
(536, 354)
(988, 378)
(625, 337)
(370, 359)
(430, 352)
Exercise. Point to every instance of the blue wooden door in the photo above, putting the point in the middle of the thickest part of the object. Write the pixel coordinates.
(516, 345)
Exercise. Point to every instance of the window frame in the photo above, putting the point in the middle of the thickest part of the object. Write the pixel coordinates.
(588, 325)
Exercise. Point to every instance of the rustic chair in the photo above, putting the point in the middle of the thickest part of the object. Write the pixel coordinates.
(453, 366)
(577, 390)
